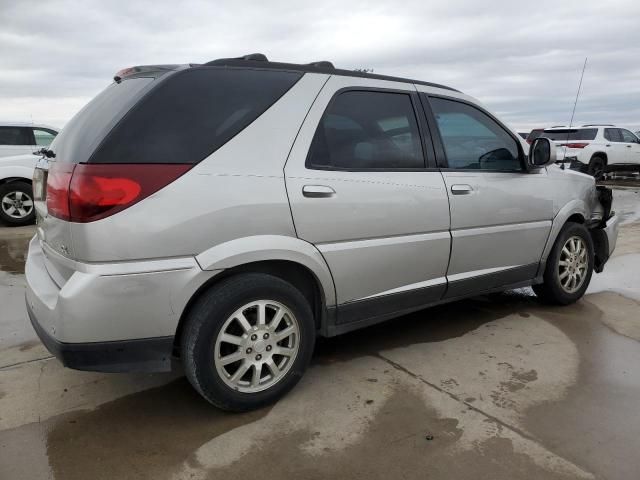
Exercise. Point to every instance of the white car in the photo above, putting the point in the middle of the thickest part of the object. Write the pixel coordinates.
(19, 138)
(16, 194)
(596, 149)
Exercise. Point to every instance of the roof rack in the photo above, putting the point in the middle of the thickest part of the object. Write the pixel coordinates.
(259, 60)
(598, 125)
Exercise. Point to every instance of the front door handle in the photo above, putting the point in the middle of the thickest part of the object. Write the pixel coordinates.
(318, 191)
(629, 146)
(461, 189)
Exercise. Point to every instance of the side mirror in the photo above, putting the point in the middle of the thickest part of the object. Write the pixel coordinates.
(541, 153)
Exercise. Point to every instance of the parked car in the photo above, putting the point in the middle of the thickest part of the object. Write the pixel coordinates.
(227, 214)
(596, 149)
(523, 135)
(16, 195)
(533, 134)
(19, 138)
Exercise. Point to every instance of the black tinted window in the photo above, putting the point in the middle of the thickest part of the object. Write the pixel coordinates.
(613, 134)
(14, 136)
(472, 139)
(192, 114)
(368, 130)
(560, 135)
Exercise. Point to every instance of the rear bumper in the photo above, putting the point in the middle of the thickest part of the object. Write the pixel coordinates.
(110, 317)
(140, 355)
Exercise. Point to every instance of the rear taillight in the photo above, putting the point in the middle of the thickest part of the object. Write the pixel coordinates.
(95, 191)
(574, 145)
(58, 180)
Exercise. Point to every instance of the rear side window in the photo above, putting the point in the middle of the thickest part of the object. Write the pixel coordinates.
(367, 130)
(562, 135)
(192, 114)
(472, 139)
(14, 136)
(613, 134)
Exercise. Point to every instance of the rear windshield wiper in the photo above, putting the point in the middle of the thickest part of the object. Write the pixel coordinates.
(46, 152)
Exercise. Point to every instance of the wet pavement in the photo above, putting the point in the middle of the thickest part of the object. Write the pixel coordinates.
(496, 387)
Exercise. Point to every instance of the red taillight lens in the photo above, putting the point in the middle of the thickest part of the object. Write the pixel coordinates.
(58, 180)
(96, 191)
(574, 145)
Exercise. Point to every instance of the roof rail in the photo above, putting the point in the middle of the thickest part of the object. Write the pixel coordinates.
(322, 64)
(598, 125)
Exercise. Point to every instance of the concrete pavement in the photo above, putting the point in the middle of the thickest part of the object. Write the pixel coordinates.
(495, 387)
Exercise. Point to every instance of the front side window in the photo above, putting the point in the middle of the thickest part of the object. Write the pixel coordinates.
(44, 137)
(472, 139)
(14, 136)
(628, 137)
(367, 130)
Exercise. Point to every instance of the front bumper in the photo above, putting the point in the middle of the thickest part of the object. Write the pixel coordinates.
(604, 240)
(110, 317)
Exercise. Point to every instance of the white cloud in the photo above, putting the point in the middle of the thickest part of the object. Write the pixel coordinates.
(522, 61)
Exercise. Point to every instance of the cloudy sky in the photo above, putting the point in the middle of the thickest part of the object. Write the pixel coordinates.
(522, 59)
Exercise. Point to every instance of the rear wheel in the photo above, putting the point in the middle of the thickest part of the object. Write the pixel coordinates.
(248, 341)
(16, 204)
(569, 267)
(597, 167)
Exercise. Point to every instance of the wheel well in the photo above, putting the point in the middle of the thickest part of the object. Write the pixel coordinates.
(602, 155)
(15, 179)
(294, 273)
(575, 218)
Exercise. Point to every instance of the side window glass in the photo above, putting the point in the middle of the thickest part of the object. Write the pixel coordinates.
(628, 137)
(472, 139)
(367, 130)
(14, 136)
(613, 134)
(44, 137)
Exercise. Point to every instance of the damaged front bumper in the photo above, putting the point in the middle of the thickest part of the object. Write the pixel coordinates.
(605, 234)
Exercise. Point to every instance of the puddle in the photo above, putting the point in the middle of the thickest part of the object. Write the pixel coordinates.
(13, 254)
(144, 435)
(596, 423)
(406, 439)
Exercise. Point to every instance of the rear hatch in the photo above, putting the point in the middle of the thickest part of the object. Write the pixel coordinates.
(570, 141)
(139, 135)
(73, 146)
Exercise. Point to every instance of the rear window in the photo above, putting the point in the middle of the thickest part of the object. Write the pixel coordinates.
(566, 134)
(192, 114)
(82, 134)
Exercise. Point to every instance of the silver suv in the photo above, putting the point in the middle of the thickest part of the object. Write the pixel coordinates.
(226, 214)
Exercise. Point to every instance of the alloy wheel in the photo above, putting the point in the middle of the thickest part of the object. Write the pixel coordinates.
(573, 264)
(256, 346)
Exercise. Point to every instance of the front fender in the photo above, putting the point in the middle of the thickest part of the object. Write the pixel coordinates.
(574, 207)
(270, 247)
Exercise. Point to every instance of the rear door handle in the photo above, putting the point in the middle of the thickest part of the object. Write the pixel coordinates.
(318, 191)
(461, 189)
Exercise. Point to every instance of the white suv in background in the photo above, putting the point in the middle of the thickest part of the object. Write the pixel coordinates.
(596, 149)
(19, 138)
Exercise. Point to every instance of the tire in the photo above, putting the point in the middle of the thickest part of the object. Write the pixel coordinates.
(557, 291)
(216, 313)
(597, 167)
(16, 204)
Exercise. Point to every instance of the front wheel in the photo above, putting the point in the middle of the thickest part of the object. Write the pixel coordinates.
(248, 341)
(569, 267)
